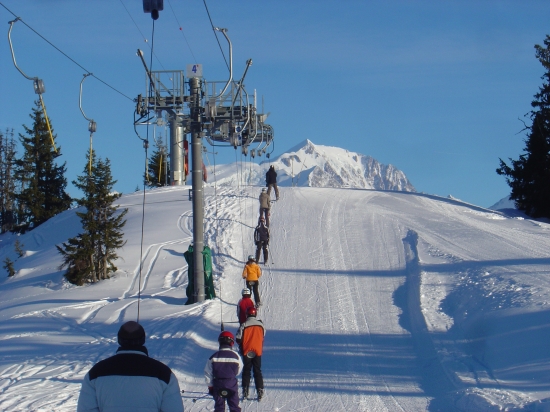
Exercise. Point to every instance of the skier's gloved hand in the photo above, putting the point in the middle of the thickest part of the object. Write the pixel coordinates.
(211, 390)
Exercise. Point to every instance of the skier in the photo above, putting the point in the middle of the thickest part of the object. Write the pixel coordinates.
(261, 238)
(271, 181)
(221, 373)
(250, 338)
(130, 380)
(265, 205)
(252, 274)
(243, 305)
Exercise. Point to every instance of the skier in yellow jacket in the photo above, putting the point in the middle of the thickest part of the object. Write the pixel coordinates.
(252, 273)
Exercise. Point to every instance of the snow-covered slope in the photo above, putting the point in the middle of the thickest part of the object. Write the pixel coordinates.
(373, 301)
(313, 165)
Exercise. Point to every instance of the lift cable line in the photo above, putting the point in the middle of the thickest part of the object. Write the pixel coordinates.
(183, 34)
(63, 53)
(146, 146)
(215, 34)
(142, 35)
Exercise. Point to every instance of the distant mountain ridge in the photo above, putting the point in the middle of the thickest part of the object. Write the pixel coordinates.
(312, 165)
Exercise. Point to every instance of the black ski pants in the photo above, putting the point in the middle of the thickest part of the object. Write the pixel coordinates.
(254, 285)
(262, 244)
(254, 364)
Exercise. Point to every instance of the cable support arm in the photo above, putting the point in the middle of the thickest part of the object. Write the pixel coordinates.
(140, 54)
(241, 82)
(224, 32)
(255, 119)
(272, 143)
(136, 122)
(92, 125)
(261, 134)
(38, 84)
(238, 93)
(11, 23)
(247, 110)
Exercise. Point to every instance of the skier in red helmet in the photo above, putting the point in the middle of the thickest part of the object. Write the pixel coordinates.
(243, 305)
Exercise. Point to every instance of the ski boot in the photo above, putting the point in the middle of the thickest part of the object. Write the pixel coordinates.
(260, 394)
(245, 392)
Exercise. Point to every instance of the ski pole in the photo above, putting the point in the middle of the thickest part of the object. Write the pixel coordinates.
(184, 391)
(200, 397)
(221, 312)
(271, 255)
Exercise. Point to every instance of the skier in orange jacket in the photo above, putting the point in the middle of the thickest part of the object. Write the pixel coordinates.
(250, 338)
(252, 273)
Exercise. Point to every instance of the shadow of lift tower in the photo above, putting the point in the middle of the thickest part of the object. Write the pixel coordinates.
(229, 118)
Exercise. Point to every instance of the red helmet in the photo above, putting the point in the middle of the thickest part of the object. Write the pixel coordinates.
(226, 338)
(251, 311)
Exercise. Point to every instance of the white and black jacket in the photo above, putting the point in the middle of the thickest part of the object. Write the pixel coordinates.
(130, 381)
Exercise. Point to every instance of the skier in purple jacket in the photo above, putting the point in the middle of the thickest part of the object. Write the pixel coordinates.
(221, 373)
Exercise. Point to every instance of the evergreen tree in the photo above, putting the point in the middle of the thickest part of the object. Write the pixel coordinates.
(19, 248)
(529, 176)
(89, 256)
(42, 194)
(8, 265)
(157, 174)
(8, 207)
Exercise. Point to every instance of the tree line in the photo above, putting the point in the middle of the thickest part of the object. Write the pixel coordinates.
(529, 176)
(33, 190)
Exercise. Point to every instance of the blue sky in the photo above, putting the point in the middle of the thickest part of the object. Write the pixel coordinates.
(434, 88)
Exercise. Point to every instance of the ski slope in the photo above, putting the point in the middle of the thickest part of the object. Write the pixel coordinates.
(372, 300)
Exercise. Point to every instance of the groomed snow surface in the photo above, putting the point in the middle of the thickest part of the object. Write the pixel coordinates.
(372, 300)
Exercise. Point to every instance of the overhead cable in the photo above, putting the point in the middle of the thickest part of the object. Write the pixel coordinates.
(142, 35)
(146, 146)
(183, 34)
(64, 54)
(215, 34)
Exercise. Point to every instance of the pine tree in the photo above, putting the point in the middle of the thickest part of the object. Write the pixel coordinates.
(529, 176)
(8, 265)
(42, 194)
(90, 255)
(157, 174)
(19, 248)
(8, 207)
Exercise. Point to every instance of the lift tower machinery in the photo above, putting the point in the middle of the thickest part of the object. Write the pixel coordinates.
(229, 118)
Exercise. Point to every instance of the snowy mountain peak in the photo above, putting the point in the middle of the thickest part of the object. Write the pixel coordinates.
(308, 164)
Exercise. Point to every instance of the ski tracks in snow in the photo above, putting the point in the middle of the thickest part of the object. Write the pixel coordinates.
(50, 382)
(152, 253)
(316, 309)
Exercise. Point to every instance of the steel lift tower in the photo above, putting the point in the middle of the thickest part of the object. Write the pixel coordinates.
(229, 118)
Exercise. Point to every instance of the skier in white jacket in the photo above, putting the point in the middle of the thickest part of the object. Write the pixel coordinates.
(130, 380)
